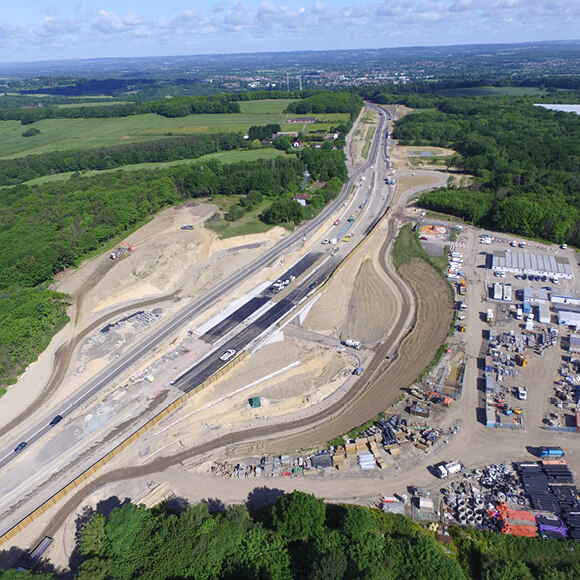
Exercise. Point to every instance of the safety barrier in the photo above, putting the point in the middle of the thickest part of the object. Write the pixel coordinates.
(120, 447)
(162, 414)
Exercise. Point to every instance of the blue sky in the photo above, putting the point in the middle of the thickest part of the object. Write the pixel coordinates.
(55, 29)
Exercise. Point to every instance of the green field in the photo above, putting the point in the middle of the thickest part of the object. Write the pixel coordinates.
(223, 156)
(491, 91)
(67, 134)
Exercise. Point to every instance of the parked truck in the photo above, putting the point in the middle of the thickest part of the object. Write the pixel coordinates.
(350, 342)
(447, 469)
(551, 452)
(497, 291)
(490, 316)
(462, 288)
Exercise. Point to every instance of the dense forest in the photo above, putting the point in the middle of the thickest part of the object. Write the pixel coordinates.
(46, 228)
(525, 160)
(301, 537)
(174, 107)
(328, 102)
(28, 110)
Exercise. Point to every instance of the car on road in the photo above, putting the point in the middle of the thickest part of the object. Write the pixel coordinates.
(56, 420)
(337, 222)
(564, 246)
(20, 447)
(228, 354)
(314, 285)
(358, 371)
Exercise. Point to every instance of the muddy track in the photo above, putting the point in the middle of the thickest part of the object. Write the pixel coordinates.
(416, 353)
(419, 283)
(64, 353)
(333, 421)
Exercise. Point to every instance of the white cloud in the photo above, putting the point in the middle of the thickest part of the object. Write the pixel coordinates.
(107, 22)
(52, 27)
(232, 25)
(133, 19)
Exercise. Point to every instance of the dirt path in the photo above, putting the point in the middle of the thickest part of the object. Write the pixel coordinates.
(428, 331)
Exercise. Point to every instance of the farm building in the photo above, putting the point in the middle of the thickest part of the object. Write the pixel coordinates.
(302, 120)
(531, 263)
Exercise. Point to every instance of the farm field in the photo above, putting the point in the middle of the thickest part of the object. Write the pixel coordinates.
(69, 134)
(491, 91)
(223, 156)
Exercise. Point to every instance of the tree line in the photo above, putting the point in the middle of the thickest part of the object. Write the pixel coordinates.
(328, 102)
(172, 107)
(300, 537)
(31, 111)
(48, 227)
(19, 169)
(525, 160)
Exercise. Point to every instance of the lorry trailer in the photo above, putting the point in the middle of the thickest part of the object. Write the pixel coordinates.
(551, 452)
(446, 469)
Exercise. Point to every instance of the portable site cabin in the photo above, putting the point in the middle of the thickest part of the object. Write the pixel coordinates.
(567, 318)
(544, 316)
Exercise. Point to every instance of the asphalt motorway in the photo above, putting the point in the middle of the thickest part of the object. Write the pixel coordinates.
(164, 331)
(377, 205)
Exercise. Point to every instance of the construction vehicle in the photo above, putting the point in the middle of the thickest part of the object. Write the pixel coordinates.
(522, 360)
(461, 327)
(462, 288)
(123, 247)
(439, 398)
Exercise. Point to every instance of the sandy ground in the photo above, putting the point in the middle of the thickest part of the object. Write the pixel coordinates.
(362, 133)
(168, 267)
(365, 310)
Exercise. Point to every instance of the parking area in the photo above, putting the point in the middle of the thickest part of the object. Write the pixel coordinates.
(528, 376)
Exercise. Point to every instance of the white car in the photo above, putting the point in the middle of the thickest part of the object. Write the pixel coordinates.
(228, 354)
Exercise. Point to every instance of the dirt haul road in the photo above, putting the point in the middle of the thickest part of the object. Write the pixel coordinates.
(429, 327)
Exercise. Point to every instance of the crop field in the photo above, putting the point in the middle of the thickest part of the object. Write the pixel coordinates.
(223, 156)
(68, 134)
(491, 91)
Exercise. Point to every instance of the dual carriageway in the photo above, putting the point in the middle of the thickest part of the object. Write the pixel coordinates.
(364, 195)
